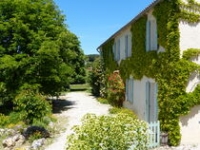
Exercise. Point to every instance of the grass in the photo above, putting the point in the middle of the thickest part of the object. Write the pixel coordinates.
(80, 87)
(102, 100)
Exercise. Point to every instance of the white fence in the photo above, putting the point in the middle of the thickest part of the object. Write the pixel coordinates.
(154, 134)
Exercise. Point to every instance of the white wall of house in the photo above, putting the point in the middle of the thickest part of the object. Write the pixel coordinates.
(190, 127)
(189, 36)
(190, 124)
(138, 103)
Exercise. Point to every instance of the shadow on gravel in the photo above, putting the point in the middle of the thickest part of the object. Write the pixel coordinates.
(60, 105)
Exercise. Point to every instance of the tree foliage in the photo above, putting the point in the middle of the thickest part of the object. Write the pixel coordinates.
(36, 48)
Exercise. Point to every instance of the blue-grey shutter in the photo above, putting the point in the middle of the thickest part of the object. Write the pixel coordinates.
(126, 46)
(156, 101)
(132, 90)
(114, 51)
(147, 101)
(127, 89)
(154, 35)
(148, 35)
(119, 50)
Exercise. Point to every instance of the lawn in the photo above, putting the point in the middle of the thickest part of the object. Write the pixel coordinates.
(80, 87)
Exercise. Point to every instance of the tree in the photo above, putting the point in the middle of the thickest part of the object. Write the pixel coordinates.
(36, 48)
(77, 60)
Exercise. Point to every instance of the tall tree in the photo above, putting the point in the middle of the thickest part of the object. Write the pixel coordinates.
(36, 48)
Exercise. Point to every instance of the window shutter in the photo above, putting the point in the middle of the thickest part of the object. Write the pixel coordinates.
(147, 92)
(130, 45)
(126, 46)
(132, 90)
(118, 50)
(127, 89)
(148, 34)
(154, 35)
(156, 101)
(114, 50)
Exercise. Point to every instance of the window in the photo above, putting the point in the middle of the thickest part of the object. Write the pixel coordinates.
(129, 90)
(127, 46)
(151, 35)
(114, 50)
(118, 50)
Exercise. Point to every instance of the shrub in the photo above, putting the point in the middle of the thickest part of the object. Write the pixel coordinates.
(10, 121)
(115, 89)
(3, 120)
(35, 132)
(116, 110)
(31, 106)
(119, 132)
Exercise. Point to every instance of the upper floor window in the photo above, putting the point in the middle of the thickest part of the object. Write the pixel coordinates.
(151, 35)
(114, 50)
(118, 50)
(127, 46)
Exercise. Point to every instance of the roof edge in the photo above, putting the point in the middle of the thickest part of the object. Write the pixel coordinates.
(153, 4)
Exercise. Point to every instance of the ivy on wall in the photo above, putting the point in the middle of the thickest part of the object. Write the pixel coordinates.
(109, 64)
(170, 71)
(190, 12)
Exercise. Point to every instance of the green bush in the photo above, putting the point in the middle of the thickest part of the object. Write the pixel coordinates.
(35, 132)
(116, 110)
(3, 120)
(31, 106)
(116, 132)
(10, 121)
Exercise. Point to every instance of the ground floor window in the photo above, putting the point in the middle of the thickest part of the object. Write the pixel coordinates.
(130, 90)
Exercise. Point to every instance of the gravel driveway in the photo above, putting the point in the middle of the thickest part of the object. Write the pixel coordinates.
(81, 104)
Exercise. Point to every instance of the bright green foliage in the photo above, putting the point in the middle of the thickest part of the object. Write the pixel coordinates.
(36, 48)
(31, 105)
(167, 68)
(192, 52)
(4, 120)
(109, 132)
(76, 59)
(109, 64)
(117, 110)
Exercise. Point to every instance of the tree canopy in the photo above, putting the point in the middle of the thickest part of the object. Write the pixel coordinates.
(36, 48)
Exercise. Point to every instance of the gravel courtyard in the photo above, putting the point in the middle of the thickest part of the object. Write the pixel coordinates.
(81, 103)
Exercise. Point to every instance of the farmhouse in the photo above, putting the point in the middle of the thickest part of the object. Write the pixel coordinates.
(158, 56)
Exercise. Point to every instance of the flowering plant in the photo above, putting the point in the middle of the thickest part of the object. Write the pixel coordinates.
(115, 89)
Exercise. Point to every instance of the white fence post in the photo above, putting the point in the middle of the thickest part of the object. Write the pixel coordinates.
(154, 134)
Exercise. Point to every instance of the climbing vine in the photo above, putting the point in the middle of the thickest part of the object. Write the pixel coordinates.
(170, 71)
(109, 64)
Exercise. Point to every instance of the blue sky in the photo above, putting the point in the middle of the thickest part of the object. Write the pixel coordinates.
(94, 21)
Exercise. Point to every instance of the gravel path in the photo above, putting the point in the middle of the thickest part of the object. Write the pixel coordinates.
(82, 103)
(79, 104)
